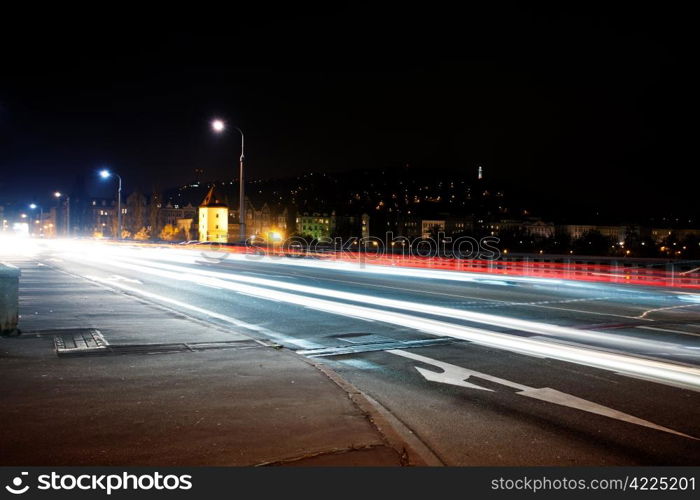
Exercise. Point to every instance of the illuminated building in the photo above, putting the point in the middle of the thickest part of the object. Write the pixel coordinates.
(213, 218)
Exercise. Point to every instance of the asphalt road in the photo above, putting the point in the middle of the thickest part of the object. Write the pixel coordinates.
(485, 370)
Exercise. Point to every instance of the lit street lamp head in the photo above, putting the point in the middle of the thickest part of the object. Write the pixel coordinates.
(218, 126)
(32, 206)
(106, 174)
(57, 194)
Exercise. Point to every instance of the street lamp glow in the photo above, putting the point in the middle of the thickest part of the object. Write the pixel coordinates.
(57, 194)
(106, 174)
(218, 126)
(32, 206)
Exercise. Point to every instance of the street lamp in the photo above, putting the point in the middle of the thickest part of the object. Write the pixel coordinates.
(58, 196)
(106, 174)
(218, 126)
(34, 206)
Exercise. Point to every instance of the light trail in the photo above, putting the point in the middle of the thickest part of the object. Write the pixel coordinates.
(647, 369)
(475, 317)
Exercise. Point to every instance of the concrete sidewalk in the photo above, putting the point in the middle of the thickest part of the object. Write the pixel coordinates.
(199, 394)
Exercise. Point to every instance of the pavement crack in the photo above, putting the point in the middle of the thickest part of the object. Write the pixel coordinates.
(322, 453)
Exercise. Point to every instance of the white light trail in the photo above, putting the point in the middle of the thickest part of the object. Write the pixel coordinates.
(657, 371)
(475, 317)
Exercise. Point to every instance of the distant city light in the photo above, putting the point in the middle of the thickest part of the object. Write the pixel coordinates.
(218, 125)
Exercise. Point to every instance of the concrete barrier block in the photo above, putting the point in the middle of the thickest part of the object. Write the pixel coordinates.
(9, 299)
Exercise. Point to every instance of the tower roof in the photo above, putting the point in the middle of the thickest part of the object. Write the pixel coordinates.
(213, 200)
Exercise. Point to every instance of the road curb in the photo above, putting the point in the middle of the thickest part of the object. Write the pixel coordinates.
(395, 433)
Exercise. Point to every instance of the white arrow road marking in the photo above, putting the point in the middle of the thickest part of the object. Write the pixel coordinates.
(456, 375)
(449, 376)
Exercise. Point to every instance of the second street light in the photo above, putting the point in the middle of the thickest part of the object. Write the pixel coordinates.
(58, 196)
(218, 126)
(106, 174)
(34, 206)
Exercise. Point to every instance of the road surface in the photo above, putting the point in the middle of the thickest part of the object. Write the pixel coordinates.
(482, 369)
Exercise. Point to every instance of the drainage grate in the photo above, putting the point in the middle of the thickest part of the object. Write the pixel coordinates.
(79, 343)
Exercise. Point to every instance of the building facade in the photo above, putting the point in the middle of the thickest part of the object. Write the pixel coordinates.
(213, 219)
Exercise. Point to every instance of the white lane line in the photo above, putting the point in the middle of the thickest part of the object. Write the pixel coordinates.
(645, 313)
(456, 375)
(665, 373)
(588, 312)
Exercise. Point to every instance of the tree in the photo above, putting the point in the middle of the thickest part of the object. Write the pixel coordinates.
(593, 243)
(516, 239)
(143, 234)
(135, 217)
(435, 231)
(640, 246)
(168, 232)
(559, 242)
(153, 211)
(670, 245)
(691, 247)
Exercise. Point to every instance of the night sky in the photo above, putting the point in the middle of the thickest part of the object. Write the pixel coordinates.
(586, 106)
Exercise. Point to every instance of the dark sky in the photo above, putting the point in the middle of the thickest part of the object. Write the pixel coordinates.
(581, 104)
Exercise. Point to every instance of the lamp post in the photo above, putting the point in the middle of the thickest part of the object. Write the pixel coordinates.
(106, 174)
(219, 126)
(58, 196)
(34, 206)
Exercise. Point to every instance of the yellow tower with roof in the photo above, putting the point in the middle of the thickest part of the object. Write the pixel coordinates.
(213, 218)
